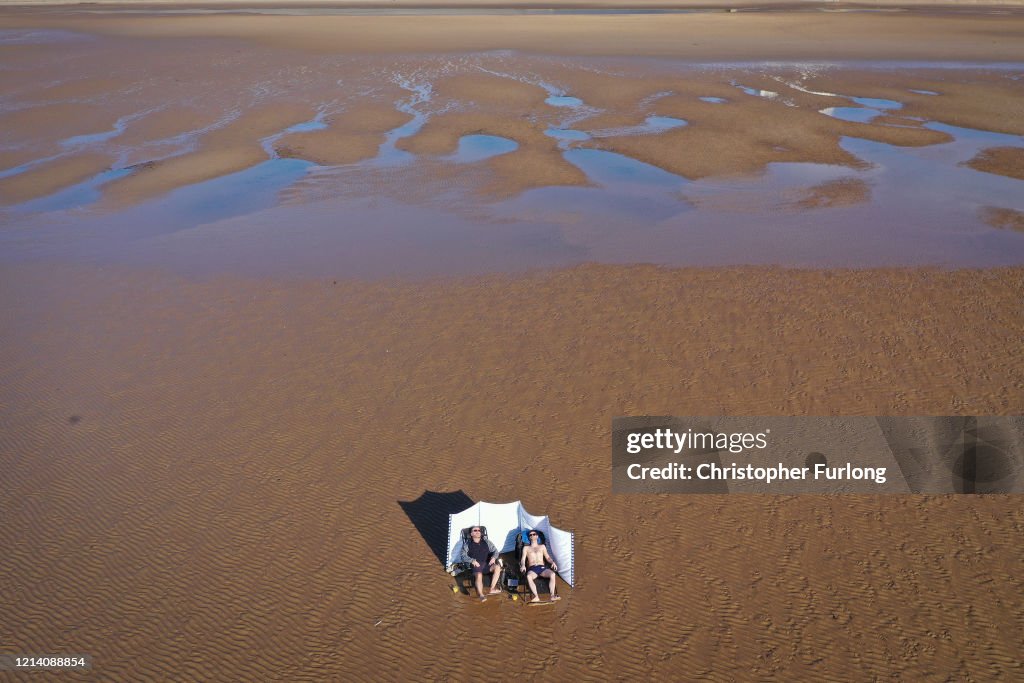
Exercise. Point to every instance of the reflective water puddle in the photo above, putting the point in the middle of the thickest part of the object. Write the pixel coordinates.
(611, 169)
(871, 107)
(564, 101)
(877, 103)
(473, 148)
(82, 194)
(854, 114)
(652, 125)
(756, 92)
(421, 93)
(236, 194)
(96, 138)
(567, 134)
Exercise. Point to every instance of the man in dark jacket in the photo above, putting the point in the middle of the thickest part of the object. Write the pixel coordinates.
(481, 554)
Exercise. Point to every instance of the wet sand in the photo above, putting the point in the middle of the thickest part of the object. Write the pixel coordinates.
(192, 106)
(208, 65)
(204, 469)
(1005, 218)
(276, 161)
(1008, 161)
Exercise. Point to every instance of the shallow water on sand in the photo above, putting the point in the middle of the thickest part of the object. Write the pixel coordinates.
(474, 148)
(405, 214)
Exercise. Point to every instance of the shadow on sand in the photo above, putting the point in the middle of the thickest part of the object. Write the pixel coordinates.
(429, 514)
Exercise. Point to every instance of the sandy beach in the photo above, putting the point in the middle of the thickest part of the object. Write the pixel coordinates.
(261, 291)
(204, 477)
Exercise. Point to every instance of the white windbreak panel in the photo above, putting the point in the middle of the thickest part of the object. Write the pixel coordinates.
(504, 521)
(560, 547)
(528, 521)
(501, 520)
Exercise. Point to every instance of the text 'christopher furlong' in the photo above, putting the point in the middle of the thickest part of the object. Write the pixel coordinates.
(710, 471)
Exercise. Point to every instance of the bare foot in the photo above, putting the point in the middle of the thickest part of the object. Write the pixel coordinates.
(535, 599)
(495, 591)
(555, 597)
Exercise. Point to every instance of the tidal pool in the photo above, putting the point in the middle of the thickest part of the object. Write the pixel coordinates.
(877, 103)
(403, 214)
(854, 114)
(564, 101)
(473, 148)
(611, 169)
(77, 196)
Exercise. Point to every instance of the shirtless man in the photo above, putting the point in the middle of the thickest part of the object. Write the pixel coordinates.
(535, 555)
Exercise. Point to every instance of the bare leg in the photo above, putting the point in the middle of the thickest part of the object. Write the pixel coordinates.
(551, 583)
(533, 587)
(495, 576)
(479, 585)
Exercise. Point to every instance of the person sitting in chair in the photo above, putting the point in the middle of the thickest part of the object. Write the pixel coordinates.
(481, 554)
(535, 555)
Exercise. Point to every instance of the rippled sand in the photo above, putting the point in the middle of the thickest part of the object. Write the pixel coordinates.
(255, 303)
(203, 477)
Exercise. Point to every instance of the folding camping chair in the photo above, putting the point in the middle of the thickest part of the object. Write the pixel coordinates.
(515, 578)
(463, 571)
